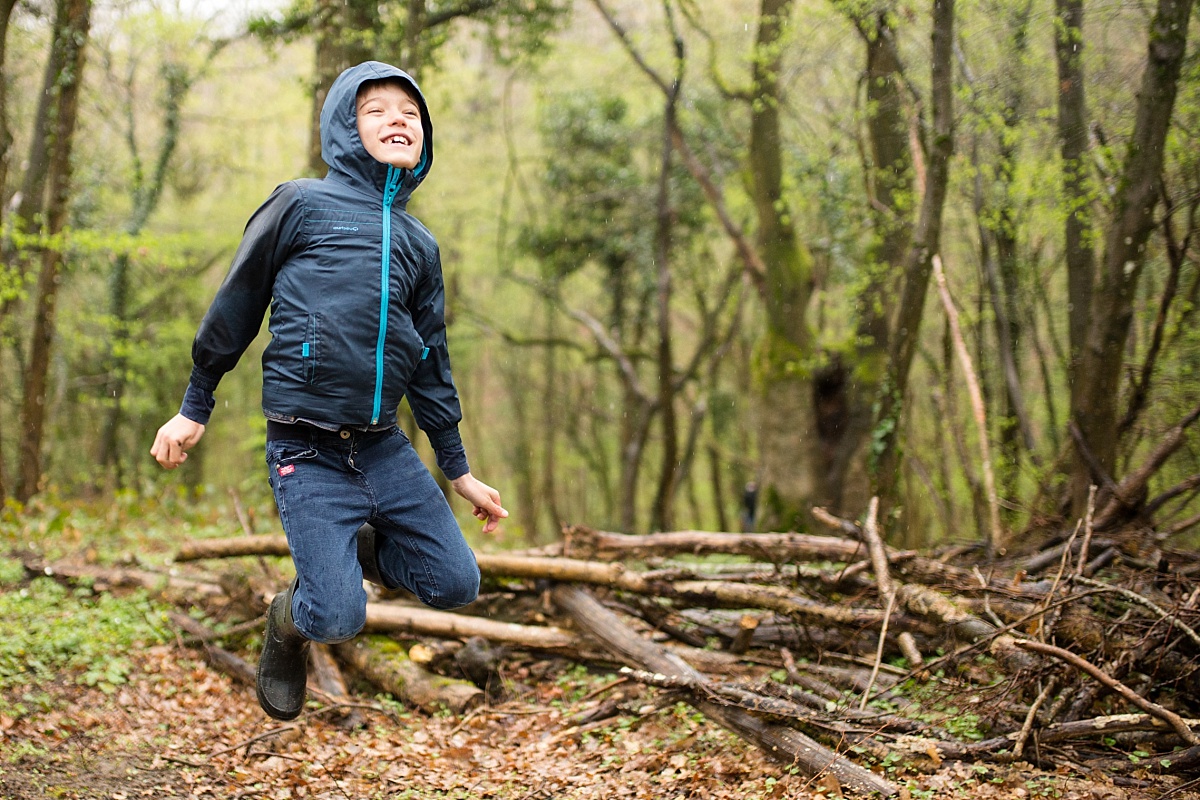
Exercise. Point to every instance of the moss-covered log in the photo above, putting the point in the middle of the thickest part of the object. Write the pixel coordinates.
(385, 663)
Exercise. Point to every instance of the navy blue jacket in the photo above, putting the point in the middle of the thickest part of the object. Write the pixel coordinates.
(355, 325)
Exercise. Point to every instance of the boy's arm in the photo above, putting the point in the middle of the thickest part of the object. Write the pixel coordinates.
(431, 392)
(236, 313)
(233, 320)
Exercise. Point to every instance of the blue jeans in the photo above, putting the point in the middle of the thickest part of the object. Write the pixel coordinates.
(327, 484)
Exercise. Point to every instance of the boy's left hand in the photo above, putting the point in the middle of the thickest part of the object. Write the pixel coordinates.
(484, 498)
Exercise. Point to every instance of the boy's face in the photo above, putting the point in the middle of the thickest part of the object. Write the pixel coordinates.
(389, 124)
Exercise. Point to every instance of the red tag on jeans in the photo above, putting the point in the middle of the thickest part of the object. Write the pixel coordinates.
(286, 469)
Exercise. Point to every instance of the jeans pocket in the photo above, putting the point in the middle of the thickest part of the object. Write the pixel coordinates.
(282, 452)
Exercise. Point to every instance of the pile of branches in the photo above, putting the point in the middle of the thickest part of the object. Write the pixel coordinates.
(833, 653)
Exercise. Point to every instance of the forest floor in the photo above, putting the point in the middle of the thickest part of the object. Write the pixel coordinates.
(100, 698)
(176, 728)
(173, 727)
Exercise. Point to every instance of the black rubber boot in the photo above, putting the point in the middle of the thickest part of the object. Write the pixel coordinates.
(283, 666)
(368, 555)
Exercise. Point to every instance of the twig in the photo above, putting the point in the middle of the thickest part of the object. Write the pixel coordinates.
(1023, 735)
(269, 754)
(248, 742)
(1058, 576)
(932, 666)
(331, 707)
(887, 590)
(1081, 564)
(1166, 715)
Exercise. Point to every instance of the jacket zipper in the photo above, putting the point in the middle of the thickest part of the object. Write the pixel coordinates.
(394, 178)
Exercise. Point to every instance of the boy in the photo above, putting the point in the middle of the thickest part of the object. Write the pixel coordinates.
(354, 286)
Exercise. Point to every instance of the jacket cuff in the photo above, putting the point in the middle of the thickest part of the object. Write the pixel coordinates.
(452, 461)
(445, 438)
(197, 404)
(204, 380)
(449, 451)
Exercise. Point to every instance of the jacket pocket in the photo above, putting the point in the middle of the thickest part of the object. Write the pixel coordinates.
(310, 348)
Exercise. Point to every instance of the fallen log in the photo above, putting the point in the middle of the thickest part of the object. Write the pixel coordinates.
(385, 663)
(779, 741)
(104, 578)
(387, 618)
(783, 600)
(325, 674)
(713, 592)
(778, 548)
(263, 544)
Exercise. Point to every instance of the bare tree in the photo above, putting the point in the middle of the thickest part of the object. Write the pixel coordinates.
(1096, 390)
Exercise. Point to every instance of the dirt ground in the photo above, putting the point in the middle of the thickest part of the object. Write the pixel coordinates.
(180, 729)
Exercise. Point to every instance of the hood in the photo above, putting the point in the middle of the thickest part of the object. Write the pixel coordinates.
(341, 147)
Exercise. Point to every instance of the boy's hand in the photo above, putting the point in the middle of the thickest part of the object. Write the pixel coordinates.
(174, 439)
(484, 498)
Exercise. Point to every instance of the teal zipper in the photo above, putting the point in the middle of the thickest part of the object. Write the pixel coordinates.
(394, 178)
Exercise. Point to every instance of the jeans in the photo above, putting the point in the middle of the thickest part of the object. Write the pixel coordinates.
(327, 484)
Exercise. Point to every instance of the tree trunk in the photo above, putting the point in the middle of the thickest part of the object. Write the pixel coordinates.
(849, 390)
(6, 139)
(918, 263)
(341, 28)
(786, 424)
(71, 26)
(1077, 190)
(998, 225)
(663, 514)
(1097, 390)
(6, 8)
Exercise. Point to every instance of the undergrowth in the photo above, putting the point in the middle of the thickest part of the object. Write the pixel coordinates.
(49, 632)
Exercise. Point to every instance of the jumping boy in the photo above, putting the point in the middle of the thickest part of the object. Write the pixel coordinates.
(354, 286)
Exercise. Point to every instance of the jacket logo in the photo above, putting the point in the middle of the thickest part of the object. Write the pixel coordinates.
(352, 228)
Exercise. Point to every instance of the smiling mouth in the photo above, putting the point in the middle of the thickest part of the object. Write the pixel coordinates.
(397, 140)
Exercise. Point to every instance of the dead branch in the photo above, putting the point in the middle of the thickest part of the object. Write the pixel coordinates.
(777, 548)
(995, 539)
(104, 578)
(780, 742)
(1170, 717)
(1130, 495)
(219, 658)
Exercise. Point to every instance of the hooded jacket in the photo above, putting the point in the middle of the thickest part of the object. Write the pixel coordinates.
(354, 286)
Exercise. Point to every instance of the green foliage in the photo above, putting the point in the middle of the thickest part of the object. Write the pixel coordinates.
(514, 30)
(596, 198)
(550, 142)
(49, 632)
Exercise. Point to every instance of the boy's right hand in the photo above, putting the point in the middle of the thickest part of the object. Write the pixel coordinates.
(174, 439)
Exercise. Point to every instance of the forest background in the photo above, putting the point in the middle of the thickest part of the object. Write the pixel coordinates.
(692, 250)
